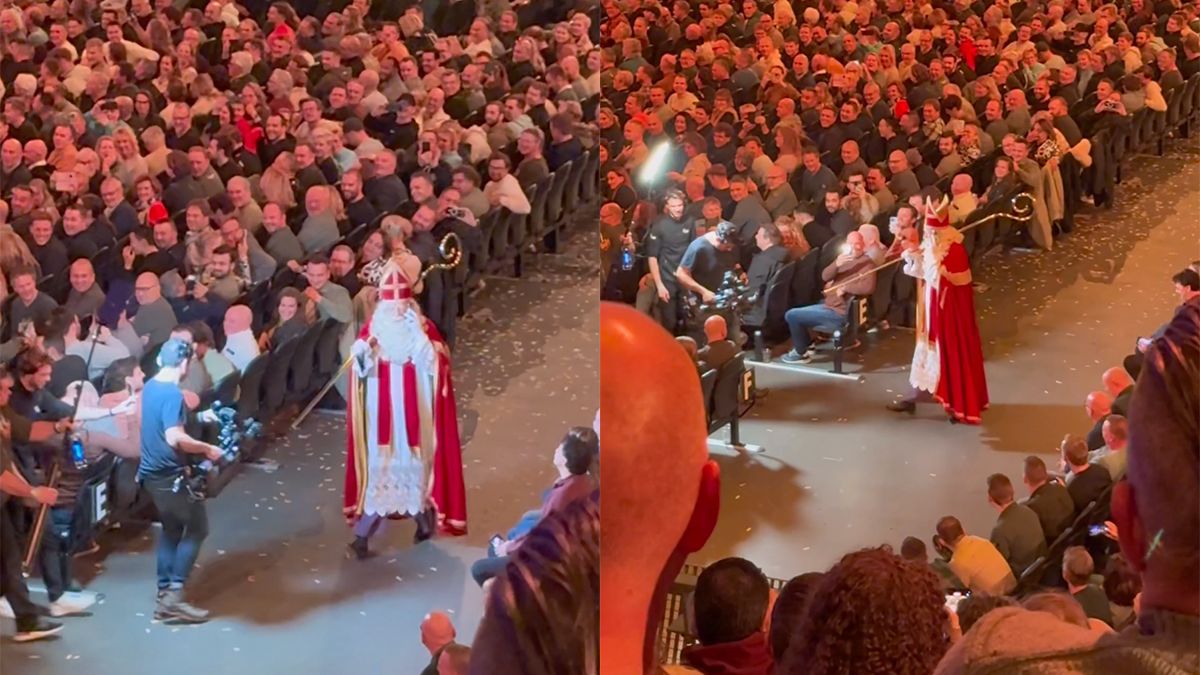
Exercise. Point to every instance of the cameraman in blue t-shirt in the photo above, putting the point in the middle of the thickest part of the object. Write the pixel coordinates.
(165, 446)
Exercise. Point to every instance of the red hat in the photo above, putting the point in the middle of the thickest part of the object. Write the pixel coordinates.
(283, 31)
(394, 286)
(157, 214)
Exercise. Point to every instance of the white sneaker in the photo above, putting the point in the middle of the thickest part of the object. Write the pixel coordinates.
(71, 603)
(6, 609)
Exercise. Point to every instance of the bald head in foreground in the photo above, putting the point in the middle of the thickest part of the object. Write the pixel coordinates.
(648, 531)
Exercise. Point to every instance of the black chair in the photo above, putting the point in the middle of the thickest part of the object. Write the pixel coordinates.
(588, 187)
(846, 336)
(517, 227)
(275, 383)
(226, 391)
(708, 382)
(497, 240)
(258, 299)
(303, 363)
(726, 397)
(537, 222)
(358, 236)
(250, 387)
(554, 206)
(491, 249)
(328, 356)
(573, 188)
(777, 303)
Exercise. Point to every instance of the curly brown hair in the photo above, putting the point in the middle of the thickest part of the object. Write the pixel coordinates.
(873, 613)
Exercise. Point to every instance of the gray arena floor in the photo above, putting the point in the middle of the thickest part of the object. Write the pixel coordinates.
(841, 472)
(284, 597)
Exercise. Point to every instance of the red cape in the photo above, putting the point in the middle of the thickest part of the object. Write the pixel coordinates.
(962, 387)
(449, 494)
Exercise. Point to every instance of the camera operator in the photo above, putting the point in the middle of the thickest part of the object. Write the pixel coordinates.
(165, 446)
(702, 270)
(16, 427)
(665, 246)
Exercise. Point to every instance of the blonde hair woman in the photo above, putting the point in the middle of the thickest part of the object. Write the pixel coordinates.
(887, 73)
(206, 95)
(14, 255)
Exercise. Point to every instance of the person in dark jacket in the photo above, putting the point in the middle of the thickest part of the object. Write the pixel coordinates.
(1018, 531)
(765, 264)
(1088, 482)
(1077, 569)
(1048, 498)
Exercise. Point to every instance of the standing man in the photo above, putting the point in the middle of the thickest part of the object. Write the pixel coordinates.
(165, 447)
(30, 623)
(948, 359)
(666, 243)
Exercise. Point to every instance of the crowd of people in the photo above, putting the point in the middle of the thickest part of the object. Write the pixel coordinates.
(746, 137)
(1113, 586)
(755, 137)
(227, 175)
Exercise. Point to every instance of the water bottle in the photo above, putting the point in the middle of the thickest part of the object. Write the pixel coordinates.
(627, 257)
(77, 455)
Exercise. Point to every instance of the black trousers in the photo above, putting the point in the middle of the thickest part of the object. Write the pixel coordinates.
(12, 584)
(674, 309)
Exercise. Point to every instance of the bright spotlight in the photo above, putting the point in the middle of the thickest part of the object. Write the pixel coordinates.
(655, 165)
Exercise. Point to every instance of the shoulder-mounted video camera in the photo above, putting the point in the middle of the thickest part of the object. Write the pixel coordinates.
(196, 478)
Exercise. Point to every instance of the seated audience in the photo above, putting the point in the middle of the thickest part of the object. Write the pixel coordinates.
(974, 560)
(731, 602)
(1017, 534)
(1077, 570)
(718, 347)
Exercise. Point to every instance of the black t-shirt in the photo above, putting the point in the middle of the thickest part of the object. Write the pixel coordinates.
(667, 242)
(707, 263)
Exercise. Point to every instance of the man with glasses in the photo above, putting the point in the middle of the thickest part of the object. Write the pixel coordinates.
(154, 318)
(117, 210)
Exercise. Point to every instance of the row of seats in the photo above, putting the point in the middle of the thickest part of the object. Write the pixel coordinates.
(1046, 571)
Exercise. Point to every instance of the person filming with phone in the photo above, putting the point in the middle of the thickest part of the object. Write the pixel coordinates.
(165, 449)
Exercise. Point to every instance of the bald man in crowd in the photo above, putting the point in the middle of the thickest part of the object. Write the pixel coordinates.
(637, 557)
(1098, 406)
(85, 297)
(12, 168)
(1119, 386)
(155, 318)
(437, 635)
(240, 344)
